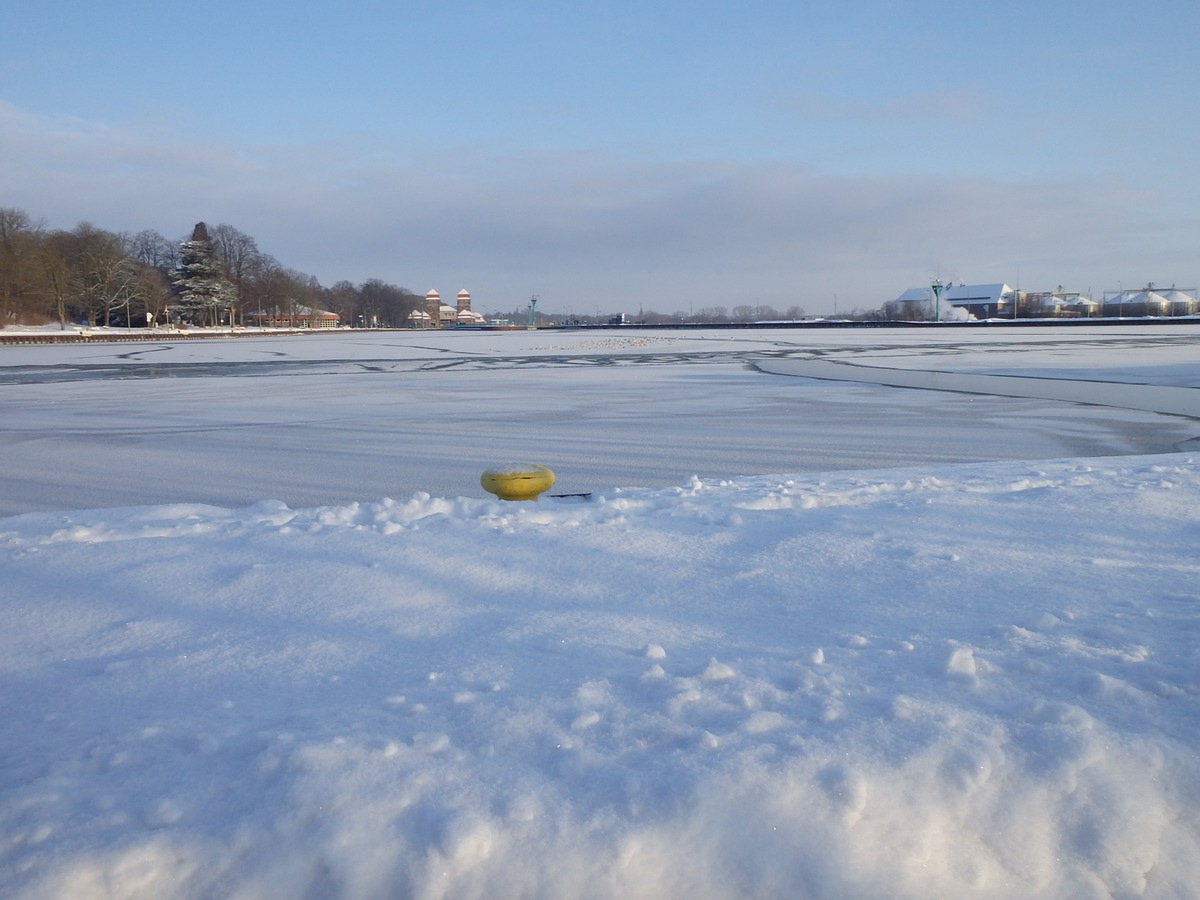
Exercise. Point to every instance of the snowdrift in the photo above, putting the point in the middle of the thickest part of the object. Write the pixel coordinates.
(975, 682)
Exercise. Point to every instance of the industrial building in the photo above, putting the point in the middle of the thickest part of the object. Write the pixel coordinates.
(982, 301)
(1001, 301)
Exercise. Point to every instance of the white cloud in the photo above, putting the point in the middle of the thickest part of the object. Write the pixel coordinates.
(589, 229)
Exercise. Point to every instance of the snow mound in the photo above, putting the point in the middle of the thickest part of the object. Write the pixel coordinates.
(980, 681)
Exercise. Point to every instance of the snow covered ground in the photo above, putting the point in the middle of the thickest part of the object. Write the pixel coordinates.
(265, 636)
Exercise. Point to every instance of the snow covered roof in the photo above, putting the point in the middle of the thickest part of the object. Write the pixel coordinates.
(1177, 296)
(297, 311)
(976, 293)
(959, 294)
(915, 295)
(1151, 298)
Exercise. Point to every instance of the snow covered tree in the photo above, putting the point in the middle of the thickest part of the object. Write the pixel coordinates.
(200, 282)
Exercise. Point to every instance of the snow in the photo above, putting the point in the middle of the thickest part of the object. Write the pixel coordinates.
(918, 670)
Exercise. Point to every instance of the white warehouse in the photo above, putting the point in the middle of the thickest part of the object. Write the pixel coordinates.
(983, 301)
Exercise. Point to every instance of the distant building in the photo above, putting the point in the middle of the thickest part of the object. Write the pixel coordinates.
(464, 315)
(294, 317)
(1183, 302)
(999, 301)
(983, 301)
(1057, 304)
(1149, 302)
(438, 315)
(433, 308)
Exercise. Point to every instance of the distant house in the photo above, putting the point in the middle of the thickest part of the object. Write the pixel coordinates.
(296, 317)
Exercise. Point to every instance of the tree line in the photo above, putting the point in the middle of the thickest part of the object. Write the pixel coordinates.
(217, 276)
(710, 315)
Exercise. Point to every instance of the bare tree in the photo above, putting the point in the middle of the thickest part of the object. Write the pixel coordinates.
(110, 278)
(152, 249)
(103, 274)
(344, 299)
(712, 315)
(266, 292)
(55, 255)
(152, 293)
(386, 304)
(239, 254)
(19, 236)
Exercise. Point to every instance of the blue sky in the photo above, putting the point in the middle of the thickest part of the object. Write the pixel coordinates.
(620, 155)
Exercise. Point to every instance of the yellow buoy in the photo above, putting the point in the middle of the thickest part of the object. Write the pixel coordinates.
(520, 481)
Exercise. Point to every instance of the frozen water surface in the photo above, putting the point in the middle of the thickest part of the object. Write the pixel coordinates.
(330, 418)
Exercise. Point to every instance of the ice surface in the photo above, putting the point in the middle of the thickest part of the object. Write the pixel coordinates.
(326, 419)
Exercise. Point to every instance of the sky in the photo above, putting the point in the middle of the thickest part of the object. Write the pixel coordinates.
(625, 156)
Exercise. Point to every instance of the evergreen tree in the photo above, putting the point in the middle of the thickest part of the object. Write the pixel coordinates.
(200, 280)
